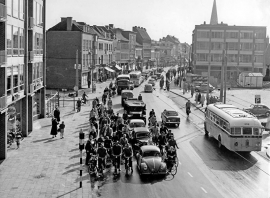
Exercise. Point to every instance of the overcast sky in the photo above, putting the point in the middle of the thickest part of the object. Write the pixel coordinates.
(160, 17)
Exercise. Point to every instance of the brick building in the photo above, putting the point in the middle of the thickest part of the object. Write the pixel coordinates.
(22, 67)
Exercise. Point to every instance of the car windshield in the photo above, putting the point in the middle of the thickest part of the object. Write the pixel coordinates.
(151, 154)
(142, 135)
(135, 108)
(122, 83)
(127, 94)
(171, 113)
(137, 124)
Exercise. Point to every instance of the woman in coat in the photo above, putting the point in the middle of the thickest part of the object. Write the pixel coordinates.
(54, 127)
(202, 100)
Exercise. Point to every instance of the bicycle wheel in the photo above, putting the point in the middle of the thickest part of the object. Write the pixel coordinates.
(174, 170)
(176, 161)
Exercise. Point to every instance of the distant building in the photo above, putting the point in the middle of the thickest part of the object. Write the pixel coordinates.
(184, 53)
(22, 69)
(243, 47)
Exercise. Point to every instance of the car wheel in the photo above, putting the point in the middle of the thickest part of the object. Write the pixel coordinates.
(267, 114)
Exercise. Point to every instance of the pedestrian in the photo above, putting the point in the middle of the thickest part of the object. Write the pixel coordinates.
(191, 90)
(18, 139)
(196, 97)
(54, 127)
(188, 87)
(56, 114)
(184, 87)
(202, 99)
(62, 127)
(199, 97)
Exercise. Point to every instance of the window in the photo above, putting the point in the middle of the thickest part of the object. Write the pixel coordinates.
(259, 46)
(246, 35)
(9, 39)
(232, 46)
(21, 79)
(15, 10)
(217, 35)
(203, 34)
(203, 45)
(245, 58)
(35, 12)
(9, 75)
(216, 46)
(258, 58)
(233, 35)
(124, 46)
(15, 40)
(236, 131)
(246, 46)
(38, 47)
(100, 46)
(124, 56)
(259, 35)
(9, 7)
(256, 131)
(216, 57)
(247, 131)
(233, 58)
(41, 70)
(15, 73)
(21, 9)
(21, 41)
(202, 57)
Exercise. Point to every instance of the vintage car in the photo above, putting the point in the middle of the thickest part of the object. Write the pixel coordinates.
(131, 85)
(259, 110)
(135, 123)
(170, 117)
(152, 82)
(140, 137)
(149, 161)
(136, 109)
(203, 88)
(148, 88)
(123, 84)
(125, 95)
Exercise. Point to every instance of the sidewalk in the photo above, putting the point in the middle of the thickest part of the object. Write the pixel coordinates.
(234, 97)
(46, 166)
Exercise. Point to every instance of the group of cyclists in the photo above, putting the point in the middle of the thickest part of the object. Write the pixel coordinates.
(115, 141)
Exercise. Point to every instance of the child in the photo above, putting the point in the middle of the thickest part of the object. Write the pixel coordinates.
(61, 127)
(18, 139)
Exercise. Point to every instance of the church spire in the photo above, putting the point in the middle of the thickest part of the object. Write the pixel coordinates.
(214, 17)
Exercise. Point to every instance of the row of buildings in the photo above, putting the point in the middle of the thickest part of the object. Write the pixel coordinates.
(103, 50)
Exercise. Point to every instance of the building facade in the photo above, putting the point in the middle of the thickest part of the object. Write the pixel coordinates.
(241, 48)
(22, 67)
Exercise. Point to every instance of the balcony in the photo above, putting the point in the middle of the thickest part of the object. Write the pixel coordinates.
(31, 88)
(30, 56)
(3, 57)
(3, 102)
(3, 13)
(31, 23)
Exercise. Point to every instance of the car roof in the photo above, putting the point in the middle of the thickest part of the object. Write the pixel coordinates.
(127, 91)
(150, 148)
(259, 104)
(170, 110)
(141, 129)
(148, 85)
(136, 121)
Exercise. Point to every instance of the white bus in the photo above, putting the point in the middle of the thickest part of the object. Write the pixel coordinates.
(136, 78)
(123, 77)
(234, 128)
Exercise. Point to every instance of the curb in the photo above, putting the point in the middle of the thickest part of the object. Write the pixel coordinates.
(187, 99)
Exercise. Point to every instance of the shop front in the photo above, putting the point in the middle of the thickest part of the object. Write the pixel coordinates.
(84, 80)
(14, 113)
(109, 73)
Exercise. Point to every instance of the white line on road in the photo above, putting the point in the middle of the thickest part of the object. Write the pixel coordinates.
(189, 174)
(203, 190)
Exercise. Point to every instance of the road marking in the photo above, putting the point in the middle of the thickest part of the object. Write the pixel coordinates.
(203, 190)
(189, 174)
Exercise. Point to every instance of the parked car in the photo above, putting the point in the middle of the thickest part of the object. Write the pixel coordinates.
(203, 88)
(170, 117)
(136, 109)
(151, 81)
(135, 123)
(259, 110)
(149, 161)
(148, 88)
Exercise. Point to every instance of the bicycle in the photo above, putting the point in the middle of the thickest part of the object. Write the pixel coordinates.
(92, 167)
(173, 165)
(117, 161)
(128, 164)
(101, 163)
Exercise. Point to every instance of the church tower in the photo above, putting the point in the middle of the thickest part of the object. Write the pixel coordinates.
(214, 17)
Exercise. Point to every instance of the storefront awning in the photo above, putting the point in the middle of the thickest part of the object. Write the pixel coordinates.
(118, 67)
(109, 69)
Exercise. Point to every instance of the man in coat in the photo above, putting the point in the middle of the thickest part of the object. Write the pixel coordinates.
(56, 114)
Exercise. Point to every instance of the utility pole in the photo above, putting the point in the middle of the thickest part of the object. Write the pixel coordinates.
(77, 74)
(222, 77)
(225, 72)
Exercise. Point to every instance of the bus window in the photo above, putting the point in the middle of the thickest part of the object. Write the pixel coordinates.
(236, 131)
(256, 131)
(247, 131)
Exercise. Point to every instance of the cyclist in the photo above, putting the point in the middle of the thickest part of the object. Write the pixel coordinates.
(92, 115)
(125, 116)
(84, 97)
(101, 153)
(171, 157)
(92, 131)
(90, 150)
(111, 85)
(188, 104)
(151, 113)
(172, 142)
(162, 141)
(108, 145)
(94, 103)
(110, 112)
(163, 128)
(117, 152)
(123, 140)
(108, 131)
(169, 134)
(115, 138)
(155, 134)
(140, 97)
(152, 120)
(100, 140)
(128, 154)
(104, 97)
(109, 103)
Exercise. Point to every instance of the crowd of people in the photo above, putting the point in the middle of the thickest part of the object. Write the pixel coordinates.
(110, 138)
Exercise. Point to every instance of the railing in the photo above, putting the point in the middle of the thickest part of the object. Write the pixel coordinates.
(3, 57)
(3, 102)
(3, 12)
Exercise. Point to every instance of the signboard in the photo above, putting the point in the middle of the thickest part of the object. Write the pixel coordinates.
(257, 99)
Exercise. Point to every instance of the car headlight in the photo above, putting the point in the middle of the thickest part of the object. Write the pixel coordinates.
(258, 144)
(144, 166)
(163, 166)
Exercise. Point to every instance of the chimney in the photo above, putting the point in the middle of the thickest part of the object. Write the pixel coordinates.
(107, 27)
(69, 23)
(134, 28)
(63, 19)
(111, 26)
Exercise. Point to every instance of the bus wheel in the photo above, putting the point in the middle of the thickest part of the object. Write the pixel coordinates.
(206, 133)
(219, 142)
